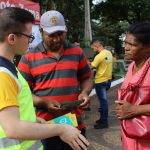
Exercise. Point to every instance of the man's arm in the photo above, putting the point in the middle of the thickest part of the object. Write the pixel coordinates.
(86, 87)
(23, 130)
(97, 60)
(90, 64)
(38, 102)
(84, 75)
(51, 106)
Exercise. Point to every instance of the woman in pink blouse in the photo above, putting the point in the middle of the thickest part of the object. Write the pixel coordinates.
(137, 49)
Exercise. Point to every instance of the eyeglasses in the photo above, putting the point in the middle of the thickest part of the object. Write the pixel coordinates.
(30, 37)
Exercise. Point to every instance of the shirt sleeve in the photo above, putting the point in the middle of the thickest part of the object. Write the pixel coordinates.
(24, 69)
(8, 91)
(98, 59)
(84, 70)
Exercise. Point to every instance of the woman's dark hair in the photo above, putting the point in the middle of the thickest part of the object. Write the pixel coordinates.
(13, 20)
(141, 31)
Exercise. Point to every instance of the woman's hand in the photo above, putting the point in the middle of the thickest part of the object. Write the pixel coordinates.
(125, 110)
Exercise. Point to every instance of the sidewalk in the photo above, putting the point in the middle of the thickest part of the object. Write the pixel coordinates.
(103, 139)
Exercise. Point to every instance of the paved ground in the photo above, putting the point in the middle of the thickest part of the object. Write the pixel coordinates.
(103, 139)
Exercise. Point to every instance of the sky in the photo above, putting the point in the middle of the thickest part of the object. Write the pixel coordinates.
(97, 1)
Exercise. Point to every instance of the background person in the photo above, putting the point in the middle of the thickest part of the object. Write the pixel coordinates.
(103, 64)
(57, 72)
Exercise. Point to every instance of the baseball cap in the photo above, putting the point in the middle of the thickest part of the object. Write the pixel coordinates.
(52, 21)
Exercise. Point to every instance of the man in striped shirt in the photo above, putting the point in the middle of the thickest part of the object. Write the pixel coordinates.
(56, 72)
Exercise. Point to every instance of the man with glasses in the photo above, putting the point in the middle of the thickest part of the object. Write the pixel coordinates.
(56, 72)
(19, 129)
(30, 37)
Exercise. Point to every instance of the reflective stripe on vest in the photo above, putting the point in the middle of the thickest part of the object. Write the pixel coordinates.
(36, 146)
(6, 142)
(11, 144)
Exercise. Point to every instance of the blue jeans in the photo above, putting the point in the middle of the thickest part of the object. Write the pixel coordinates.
(101, 91)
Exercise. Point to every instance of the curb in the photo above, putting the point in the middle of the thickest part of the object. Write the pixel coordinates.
(113, 83)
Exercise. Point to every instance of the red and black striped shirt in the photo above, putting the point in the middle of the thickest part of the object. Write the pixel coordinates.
(52, 78)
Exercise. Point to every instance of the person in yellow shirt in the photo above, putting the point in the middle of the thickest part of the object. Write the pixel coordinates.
(103, 64)
(19, 129)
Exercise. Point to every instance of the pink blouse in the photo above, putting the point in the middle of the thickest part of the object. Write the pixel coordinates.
(133, 78)
(129, 143)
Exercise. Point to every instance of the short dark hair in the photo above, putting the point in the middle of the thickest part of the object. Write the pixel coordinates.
(96, 41)
(141, 31)
(13, 20)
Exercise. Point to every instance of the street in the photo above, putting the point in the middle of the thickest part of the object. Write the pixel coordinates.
(103, 139)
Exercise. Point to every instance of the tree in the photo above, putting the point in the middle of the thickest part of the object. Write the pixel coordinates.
(129, 10)
(88, 33)
(115, 16)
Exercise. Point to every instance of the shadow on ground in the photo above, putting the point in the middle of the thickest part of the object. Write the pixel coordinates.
(103, 139)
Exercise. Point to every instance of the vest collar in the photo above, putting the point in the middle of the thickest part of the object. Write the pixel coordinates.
(4, 62)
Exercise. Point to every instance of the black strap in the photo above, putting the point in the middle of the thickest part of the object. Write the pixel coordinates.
(9, 65)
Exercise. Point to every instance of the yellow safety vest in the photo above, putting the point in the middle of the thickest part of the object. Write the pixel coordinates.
(27, 113)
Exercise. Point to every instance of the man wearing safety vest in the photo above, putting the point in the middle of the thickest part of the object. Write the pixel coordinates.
(19, 129)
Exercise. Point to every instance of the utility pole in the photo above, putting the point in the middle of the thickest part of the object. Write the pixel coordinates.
(88, 32)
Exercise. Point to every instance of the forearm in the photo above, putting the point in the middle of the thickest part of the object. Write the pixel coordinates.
(143, 109)
(22, 130)
(18, 129)
(86, 86)
(34, 131)
(91, 66)
(39, 102)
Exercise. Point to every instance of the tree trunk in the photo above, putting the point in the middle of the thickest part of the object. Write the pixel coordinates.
(88, 32)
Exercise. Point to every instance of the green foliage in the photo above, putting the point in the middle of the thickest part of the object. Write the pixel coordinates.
(119, 69)
(114, 17)
(129, 10)
(85, 43)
